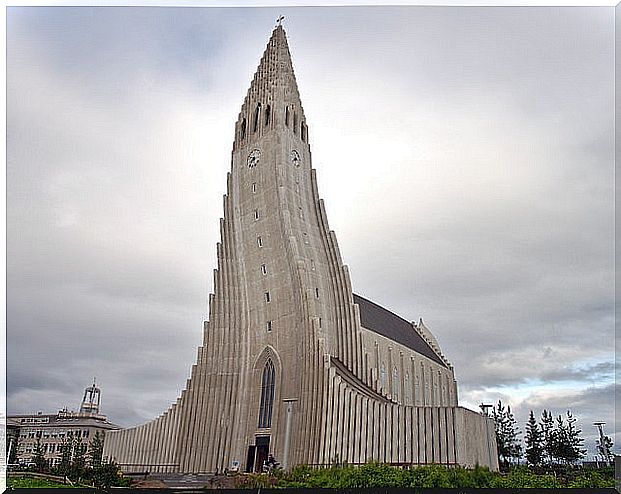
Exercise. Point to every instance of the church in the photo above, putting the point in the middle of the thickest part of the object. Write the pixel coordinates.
(294, 364)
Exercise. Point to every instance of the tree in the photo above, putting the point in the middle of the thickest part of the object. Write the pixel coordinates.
(507, 432)
(78, 465)
(534, 441)
(38, 458)
(566, 441)
(547, 430)
(574, 449)
(66, 450)
(95, 450)
(604, 448)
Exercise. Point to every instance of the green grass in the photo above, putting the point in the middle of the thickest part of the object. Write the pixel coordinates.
(31, 483)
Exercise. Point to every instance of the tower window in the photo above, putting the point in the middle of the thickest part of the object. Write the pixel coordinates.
(312, 265)
(243, 129)
(267, 115)
(295, 122)
(316, 292)
(259, 241)
(254, 187)
(268, 326)
(263, 269)
(305, 237)
(303, 131)
(287, 116)
(267, 395)
(256, 214)
(320, 322)
(255, 123)
(267, 297)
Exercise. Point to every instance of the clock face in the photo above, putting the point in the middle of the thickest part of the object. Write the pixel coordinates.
(295, 158)
(253, 158)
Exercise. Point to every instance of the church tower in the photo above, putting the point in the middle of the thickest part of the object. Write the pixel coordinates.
(294, 364)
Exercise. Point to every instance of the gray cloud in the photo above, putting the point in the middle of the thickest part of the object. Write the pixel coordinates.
(476, 145)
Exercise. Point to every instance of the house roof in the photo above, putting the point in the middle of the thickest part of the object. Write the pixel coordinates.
(386, 323)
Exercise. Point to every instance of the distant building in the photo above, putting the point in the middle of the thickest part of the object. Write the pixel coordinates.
(12, 437)
(53, 429)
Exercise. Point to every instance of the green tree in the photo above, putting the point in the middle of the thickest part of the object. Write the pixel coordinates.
(95, 450)
(604, 448)
(547, 430)
(66, 450)
(507, 432)
(566, 440)
(108, 474)
(38, 458)
(534, 441)
(78, 465)
(575, 442)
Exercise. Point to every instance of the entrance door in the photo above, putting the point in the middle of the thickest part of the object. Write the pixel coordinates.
(250, 459)
(262, 452)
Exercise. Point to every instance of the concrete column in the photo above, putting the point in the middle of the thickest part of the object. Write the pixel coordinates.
(289, 402)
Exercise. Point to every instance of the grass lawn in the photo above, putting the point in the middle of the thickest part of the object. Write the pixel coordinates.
(31, 483)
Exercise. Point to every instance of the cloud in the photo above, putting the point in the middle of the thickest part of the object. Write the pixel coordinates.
(465, 157)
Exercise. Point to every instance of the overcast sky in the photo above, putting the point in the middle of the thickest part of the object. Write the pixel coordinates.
(465, 156)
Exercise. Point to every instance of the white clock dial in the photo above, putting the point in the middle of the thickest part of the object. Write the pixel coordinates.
(253, 158)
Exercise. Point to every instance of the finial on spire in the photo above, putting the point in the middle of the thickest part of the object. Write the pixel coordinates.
(279, 20)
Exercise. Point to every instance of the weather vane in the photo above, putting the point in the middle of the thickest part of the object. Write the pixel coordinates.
(280, 19)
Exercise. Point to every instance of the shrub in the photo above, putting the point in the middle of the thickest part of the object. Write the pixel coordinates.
(591, 480)
(427, 476)
(521, 477)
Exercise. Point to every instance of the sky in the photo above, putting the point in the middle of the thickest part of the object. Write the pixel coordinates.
(465, 156)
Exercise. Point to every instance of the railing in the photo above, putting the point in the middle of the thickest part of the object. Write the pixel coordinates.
(393, 464)
(147, 468)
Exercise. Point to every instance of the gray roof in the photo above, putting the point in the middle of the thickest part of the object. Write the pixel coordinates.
(390, 325)
(54, 420)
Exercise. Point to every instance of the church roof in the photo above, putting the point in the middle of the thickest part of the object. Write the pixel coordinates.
(390, 325)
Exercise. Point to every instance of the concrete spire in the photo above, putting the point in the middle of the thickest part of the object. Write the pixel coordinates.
(273, 95)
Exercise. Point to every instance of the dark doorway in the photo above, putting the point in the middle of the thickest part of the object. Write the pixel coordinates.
(250, 459)
(258, 454)
(262, 451)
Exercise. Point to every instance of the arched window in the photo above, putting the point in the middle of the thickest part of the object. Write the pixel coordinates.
(243, 129)
(267, 115)
(287, 116)
(267, 395)
(395, 382)
(383, 377)
(257, 112)
(295, 122)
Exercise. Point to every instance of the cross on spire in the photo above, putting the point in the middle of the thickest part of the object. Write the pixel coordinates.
(279, 20)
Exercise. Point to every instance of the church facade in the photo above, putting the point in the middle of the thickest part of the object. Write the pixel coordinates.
(293, 363)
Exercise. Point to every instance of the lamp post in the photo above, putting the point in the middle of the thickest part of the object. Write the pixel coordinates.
(603, 446)
(285, 460)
